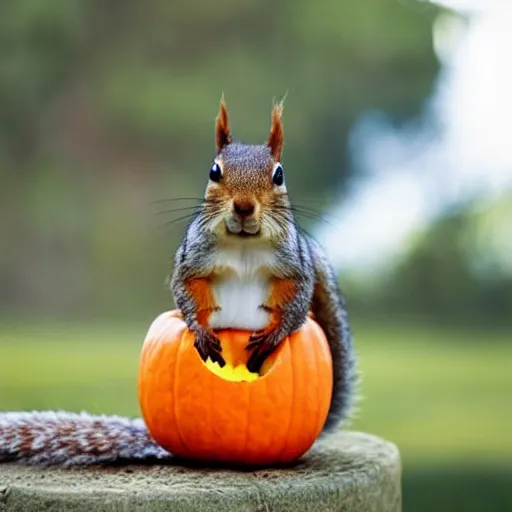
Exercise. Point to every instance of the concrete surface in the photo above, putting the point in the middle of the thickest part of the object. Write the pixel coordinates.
(348, 472)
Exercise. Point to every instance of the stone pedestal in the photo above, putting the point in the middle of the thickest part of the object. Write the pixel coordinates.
(348, 472)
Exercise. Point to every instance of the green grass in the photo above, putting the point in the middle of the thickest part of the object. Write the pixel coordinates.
(72, 367)
(442, 395)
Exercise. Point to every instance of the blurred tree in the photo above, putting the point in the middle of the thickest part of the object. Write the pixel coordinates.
(459, 267)
(107, 107)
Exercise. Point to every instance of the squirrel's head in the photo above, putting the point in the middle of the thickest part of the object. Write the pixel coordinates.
(246, 194)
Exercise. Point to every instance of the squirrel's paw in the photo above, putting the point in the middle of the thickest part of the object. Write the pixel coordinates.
(208, 346)
(262, 344)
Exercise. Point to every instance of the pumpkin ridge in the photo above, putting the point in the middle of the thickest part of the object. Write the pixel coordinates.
(305, 348)
(178, 355)
(211, 390)
(246, 440)
(292, 401)
(317, 400)
(249, 391)
(319, 332)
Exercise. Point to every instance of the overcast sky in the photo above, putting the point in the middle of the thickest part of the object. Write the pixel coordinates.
(462, 146)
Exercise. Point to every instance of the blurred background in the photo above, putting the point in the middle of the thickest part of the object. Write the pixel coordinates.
(398, 126)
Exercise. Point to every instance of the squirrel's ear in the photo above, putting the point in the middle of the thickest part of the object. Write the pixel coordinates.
(222, 130)
(275, 139)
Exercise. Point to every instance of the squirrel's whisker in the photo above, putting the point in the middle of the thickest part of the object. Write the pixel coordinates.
(315, 212)
(313, 216)
(308, 213)
(305, 209)
(200, 199)
(174, 221)
(313, 201)
(173, 210)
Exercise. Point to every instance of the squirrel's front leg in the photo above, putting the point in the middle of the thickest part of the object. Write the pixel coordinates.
(287, 314)
(197, 311)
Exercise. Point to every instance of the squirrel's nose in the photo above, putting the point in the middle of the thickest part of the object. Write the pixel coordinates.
(244, 208)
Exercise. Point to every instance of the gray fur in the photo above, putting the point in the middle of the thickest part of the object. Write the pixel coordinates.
(193, 259)
(246, 158)
(302, 260)
(328, 308)
(70, 439)
(298, 258)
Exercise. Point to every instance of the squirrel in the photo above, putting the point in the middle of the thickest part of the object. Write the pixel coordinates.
(243, 263)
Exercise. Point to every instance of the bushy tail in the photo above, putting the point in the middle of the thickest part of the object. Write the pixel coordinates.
(329, 310)
(70, 439)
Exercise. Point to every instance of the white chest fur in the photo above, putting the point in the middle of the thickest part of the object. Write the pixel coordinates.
(242, 284)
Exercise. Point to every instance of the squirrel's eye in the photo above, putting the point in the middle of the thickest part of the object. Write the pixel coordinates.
(215, 173)
(277, 175)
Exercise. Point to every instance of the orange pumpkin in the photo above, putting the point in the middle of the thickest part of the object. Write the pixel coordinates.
(200, 411)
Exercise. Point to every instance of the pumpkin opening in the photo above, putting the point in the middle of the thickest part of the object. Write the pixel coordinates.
(238, 373)
(236, 356)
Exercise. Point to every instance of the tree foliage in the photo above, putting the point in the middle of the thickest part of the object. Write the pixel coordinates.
(108, 106)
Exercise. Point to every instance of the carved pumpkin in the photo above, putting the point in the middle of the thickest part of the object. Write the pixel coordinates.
(203, 412)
